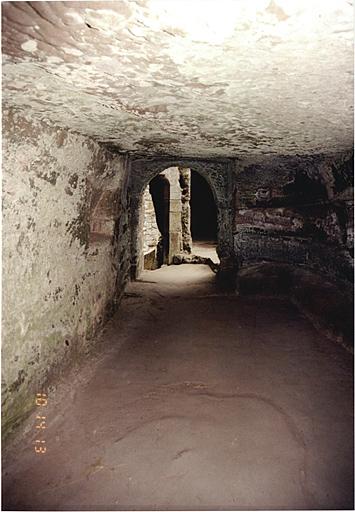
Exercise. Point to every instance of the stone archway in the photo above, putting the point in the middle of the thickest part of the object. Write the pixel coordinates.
(220, 177)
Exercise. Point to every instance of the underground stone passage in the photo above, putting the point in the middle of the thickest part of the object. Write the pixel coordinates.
(177, 255)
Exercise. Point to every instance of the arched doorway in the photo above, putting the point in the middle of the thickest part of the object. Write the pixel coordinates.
(218, 174)
(179, 219)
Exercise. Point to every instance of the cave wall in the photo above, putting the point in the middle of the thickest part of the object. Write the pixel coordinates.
(185, 184)
(151, 233)
(65, 252)
(296, 210)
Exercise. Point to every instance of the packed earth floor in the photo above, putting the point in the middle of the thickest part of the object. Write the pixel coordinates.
(199, 400)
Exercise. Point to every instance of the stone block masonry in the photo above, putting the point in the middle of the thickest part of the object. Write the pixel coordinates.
(185, 184)
(151, 233)
(298, 211)
(65, 251)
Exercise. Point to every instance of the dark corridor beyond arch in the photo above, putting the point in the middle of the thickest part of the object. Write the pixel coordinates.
(159, 189)
(203, 209)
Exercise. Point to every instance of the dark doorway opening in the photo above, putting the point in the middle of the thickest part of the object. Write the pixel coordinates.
(203, 210)
(159, 189)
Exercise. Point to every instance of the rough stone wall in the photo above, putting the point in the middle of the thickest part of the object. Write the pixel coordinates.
(185, 184)
(65, 252)
(299, 211)
(151, 233)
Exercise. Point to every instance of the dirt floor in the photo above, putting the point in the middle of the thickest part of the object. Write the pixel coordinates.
(206, 250)
(198, 400)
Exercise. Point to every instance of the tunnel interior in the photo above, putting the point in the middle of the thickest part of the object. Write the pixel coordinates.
(178, 255)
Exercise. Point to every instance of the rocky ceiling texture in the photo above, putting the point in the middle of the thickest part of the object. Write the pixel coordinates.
(202, 78)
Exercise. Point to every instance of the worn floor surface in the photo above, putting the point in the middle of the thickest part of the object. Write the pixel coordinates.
(198, 400)
(206, 250)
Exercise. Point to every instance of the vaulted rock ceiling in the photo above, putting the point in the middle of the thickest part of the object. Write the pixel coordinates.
(233, 78)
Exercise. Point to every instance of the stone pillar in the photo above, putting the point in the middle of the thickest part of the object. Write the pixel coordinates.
(139, 257)
(228, 268)
(175, 228)
(185, 185)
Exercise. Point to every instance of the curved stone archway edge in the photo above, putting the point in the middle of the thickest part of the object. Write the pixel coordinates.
(220, 177)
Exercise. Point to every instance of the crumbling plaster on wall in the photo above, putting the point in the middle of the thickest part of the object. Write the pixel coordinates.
(195, 79)
(60, 282)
